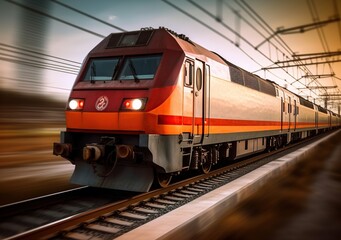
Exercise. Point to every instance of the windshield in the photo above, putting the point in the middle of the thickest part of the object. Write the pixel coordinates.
(139, 68)
(101, 69)
(133, 68)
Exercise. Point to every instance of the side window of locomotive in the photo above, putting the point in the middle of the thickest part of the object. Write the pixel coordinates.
(188, 81)
(140, 67)
(198, 79)
(101, 69)
(295, 108)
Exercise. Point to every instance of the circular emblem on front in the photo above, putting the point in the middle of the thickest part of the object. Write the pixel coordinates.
(102, 103)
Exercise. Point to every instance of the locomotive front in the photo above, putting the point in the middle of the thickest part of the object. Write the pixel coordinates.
(112, 134)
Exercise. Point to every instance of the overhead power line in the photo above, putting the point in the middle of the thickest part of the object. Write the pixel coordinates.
(55, 18)
(319, 75)
(299, 65)
(88, 15)
(239, 36)
(198, 20)
(330, 95)
(318, 55)
(299, 29)
(313, 87)
(227, 27)
(302, 64)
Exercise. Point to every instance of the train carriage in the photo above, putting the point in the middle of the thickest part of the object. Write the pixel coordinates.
(307, 116)
(323, 119)
(335, 120)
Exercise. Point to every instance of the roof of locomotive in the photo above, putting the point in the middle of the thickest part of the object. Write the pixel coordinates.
(148, 40)
(193, 48)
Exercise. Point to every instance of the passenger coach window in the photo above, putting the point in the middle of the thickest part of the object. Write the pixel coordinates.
(101, 69)
(139, 67)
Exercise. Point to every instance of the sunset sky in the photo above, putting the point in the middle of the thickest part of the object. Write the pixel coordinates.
(196, 19)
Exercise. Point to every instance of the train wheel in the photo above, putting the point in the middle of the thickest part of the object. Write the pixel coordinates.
(206, 165)
(163, 179)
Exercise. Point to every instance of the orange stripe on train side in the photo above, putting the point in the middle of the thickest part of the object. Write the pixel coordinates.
(180, 120)
(240, 129)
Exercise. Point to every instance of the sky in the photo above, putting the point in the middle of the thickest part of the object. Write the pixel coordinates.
(196, 19)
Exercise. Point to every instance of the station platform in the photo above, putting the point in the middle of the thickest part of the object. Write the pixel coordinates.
(297, 196)
(304, 203)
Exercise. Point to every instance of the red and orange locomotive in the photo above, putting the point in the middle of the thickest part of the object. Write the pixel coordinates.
(150, 104)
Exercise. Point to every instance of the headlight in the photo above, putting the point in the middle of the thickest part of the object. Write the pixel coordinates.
(76, 104)
(133, 104)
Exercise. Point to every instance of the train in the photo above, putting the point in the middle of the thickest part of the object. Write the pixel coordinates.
(151, 104)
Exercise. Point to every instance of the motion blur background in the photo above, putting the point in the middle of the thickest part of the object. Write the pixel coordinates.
(295, 43)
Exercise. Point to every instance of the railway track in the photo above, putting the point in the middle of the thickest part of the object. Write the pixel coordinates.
(111, 220)
(30, 214)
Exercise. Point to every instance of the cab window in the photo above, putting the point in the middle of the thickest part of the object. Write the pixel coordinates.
(139, 67)
(101, 69)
